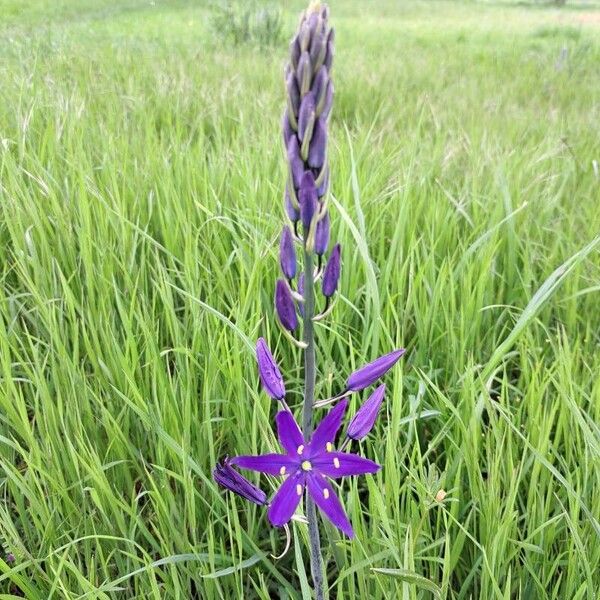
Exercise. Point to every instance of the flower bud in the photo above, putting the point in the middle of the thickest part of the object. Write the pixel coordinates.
(295, 162)
(304, 73)
(331, 275)
(287, 254)
(292, 212)
(268, 371)
(365, 416)
(318, 144)
(227, 477)
(322, 235)
(285, 307)
(307, 198)
(371, 372)
(306, 117)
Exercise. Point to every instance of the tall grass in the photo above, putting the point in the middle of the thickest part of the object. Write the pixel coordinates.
(141, 180)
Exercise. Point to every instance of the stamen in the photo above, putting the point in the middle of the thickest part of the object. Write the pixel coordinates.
(336, 462)
(329, 446)
(282, 471)
(325, 493)
(299, 490)
(300, 449)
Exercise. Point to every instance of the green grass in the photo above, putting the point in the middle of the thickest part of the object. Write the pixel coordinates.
(141, 180)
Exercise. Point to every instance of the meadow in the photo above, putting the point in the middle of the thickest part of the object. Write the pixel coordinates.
(141, 182)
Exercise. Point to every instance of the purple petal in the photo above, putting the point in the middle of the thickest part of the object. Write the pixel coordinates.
(371, 372)
(325, 498)
(322, 188)
(230, 479)
(322, 235)
(287, 254)
(288, 432)
(295, 161)
(286, 127)
(286, 500)
(365, 416)
(307, 198)
(268, 371)
(293, 93)
(304, 72)
(330, 52)
(272, 464)
(306, 117)
(318, 144)
(331, 276)
(285, 307)
(290, 209)
(294, 52)
(319, 87)
(343, 464)
(327, 429)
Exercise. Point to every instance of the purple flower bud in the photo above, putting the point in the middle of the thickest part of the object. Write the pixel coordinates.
(227, 477)
(292, 212)
(284, 305)
(371, 372)
(322, 235)
(322, 181)
(365, 416)
(295, 161)
(318, 49)
(10, 558)
(307, 198)
(306, 116)
(319, 87)
(304, 73)
(287, 129)
(293, 93)
(268, 371)
(318, 144)
(287, 254)
(301, 292)
(331, 275)
(294, 52)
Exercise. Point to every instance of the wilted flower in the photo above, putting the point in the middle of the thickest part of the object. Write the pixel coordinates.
(365, 416)
(372, 371)
(230, 479)
(287, 254)
(331, 275)
(307, 464)
(268, 371)
(285, 307)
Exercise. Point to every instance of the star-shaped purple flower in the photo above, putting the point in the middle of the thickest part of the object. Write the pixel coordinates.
(308, 465)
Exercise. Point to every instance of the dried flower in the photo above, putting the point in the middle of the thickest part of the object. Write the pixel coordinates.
(331, 275)
(365, 416)
(284, 305)
(231, 480)
(372, 371)
(268, 371)
(307, 465)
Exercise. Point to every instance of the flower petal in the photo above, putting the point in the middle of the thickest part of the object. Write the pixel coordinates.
(272, 464)
(325, 498)
(342, 464)
(328, 428)
(286, 499)
(288, 432)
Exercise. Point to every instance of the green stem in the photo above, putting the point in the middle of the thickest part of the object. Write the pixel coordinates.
(310, 374)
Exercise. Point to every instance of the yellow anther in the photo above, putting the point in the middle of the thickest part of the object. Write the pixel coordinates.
(325, 493)
(329, 446)
(299, 490)
(306, 466)
(282, 471)
(300, 449)
(336, 462)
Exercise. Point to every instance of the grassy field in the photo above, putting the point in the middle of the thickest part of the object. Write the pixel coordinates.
(141, 178)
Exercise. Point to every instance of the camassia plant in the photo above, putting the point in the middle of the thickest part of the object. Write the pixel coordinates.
(309, 459)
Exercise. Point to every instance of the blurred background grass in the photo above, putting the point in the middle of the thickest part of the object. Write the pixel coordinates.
(141, 179)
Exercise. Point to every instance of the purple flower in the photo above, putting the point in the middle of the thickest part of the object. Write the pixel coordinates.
(371, 372)
(307, 465)
(331, 275)
(322, 235)
(231, 480)
(307, 198)
(284, 305)
(365, 416)
(287, 254)
(268, 371)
